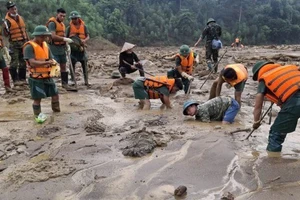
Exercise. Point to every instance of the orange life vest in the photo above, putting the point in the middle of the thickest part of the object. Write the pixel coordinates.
(241, 72)
(17, 29)
(156, 82)
(60, 30)
(77, 31)
(187, 63)
(41, 53)
(282, 81)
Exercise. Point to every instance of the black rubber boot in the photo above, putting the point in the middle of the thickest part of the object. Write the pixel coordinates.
(14, 74)
(64, 82)
(55, 106)
(22, 76)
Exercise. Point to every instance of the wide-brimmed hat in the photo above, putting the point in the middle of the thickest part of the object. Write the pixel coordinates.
(115, 74)
(187, 104)
(210, 20)
(74, 14)
(127, 46)
(41, 30)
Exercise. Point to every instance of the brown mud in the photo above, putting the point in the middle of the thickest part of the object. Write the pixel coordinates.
(101, 146)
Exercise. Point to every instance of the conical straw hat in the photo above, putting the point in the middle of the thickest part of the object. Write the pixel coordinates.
(127, 46)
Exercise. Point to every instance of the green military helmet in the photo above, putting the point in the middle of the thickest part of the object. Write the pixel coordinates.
(257, 67)
(187, 104)
(115, 74)
(10, 4)
(41, 30)
(184, 50)
(210, 20)
(74, 14)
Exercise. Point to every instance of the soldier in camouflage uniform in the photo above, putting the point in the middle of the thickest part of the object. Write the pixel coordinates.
(211, 31)
(220, 108)
(15, 28)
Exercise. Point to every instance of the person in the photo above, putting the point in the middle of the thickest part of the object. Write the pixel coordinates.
(211, 31)
(58, 44)
(128, 61)
(3, 66)
(39, 60)
(78, 30)
(157, 87)
(14, 27)
(236, 76)
(184, 61)
(237, 43)
(220, 108)
(279, 84)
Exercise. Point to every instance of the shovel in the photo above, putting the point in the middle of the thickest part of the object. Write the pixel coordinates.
(72, 71)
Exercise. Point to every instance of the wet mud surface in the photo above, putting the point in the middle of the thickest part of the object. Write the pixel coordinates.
(101, 146)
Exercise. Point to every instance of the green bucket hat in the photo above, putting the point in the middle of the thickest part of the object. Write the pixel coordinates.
(41, 30)
(184, 50)
(210, 20)
(187, 104)
(257, 67)
(10, 4)
(74, 14)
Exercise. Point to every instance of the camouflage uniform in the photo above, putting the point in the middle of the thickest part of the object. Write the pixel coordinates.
(211, 31)
(214, 109)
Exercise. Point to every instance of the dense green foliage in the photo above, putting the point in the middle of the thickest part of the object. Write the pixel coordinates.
(173, 22)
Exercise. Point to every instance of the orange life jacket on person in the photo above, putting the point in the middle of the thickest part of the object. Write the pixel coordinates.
(241, 72)
(156, 82)
(282, 81)
(17, 29)
(60, 30)
(40, 53)
(74, 31)
(187, 63)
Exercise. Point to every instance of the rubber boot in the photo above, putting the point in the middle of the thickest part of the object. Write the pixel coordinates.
(55, 106)
(209, 67)
(36, 110)
(85, 73)
(14, 75)
(64, 82)
(5, 75)
(22, 76)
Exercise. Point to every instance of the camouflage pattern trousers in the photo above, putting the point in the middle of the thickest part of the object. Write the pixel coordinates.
(16, 53)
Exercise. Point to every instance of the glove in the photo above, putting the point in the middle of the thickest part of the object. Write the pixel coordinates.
(68, 40)
(256, 125)
(190, 78)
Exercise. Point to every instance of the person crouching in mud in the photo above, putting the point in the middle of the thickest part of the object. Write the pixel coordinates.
(128, 61)
(220, 108)
(157, 87)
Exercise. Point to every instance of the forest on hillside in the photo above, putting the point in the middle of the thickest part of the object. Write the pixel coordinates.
(174, 22)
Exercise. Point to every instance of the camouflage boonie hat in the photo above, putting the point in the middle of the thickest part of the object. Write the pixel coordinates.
(74, 14)
(184, 50)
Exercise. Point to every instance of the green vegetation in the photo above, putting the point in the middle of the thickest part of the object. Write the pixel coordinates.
(173, 22)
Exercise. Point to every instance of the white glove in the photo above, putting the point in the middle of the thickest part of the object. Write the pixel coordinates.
(190, 78)
(185, 75)
(68, 40)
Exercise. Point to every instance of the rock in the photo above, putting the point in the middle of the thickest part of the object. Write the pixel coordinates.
(180, 191)
(218, 127)
(227, 196)
(140, 148)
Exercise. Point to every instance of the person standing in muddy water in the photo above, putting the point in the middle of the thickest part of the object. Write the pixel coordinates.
(220, 108)
(157, 87)
(212, 31)
(279, 84)
(14, 27)
(128, 61)
(184, 61)
(3, 66)
(79, 31)
(236, 76)
(39, 60)
(58, 45)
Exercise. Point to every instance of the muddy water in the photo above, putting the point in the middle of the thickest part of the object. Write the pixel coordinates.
(63, 160)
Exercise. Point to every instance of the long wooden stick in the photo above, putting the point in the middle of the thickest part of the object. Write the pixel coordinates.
(139, 69)
(260, 120)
